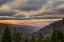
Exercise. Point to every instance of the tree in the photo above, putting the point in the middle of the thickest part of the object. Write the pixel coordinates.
(18, 37)
(44, 41)
(14, 35)
(54, 36)
(7, 35)
(40, 37)
(59, 41)
(61, 38)
(33, 39)
(57, 35)
(26, 39)
(60, 35)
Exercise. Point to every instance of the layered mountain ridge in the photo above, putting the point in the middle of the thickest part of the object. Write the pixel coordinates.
(49, 28)
(25, 29)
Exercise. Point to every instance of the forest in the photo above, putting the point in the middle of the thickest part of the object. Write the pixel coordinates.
(9, 35)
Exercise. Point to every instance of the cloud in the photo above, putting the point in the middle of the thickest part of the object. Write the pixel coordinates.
(31, 9)
(60, 6)
(6, 13)
(32, 5)
(5, 7)
(32, 12)
(57, 3)
(4, 1)
(60, 11)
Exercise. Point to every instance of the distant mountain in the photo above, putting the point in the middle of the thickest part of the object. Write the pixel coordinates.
(25, 29)
(49, 28)
(22, 28)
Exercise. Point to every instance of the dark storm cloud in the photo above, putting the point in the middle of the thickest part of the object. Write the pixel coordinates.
(32, 5)
(7, 13)
(47, 16)
(4, 18)
(57, 13)
(4, 1)
(28, 8)
(60, 11)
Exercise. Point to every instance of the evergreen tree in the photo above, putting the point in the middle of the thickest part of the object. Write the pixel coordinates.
(40, 37)
(59, 41)
(57, 35)
(44, 41)
(33, 39)
(61, 38)
(14, 35)
(54, 35)
(18, 37)
(26, 39)
(7, 35)
(60, 35)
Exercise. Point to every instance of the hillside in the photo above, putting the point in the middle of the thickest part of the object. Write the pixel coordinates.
(22, 28)
(49, 28)
(25, 29)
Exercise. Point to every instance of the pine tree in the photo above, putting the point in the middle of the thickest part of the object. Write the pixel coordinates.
(40, 37)
(7, 35)
(33, 39)
(54, 35)
(18, 37)
(60, 35)
(61, 38)
(59, 41)
(44, 41)
(26, 39)
(14, 35)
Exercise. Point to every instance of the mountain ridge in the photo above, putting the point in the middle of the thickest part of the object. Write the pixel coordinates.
(49, 28)
(22, 28)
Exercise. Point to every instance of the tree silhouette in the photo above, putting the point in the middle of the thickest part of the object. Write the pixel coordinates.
(14, 35)
(33, 39)
(26, 38)
(18, 37)
(54, 36)
(7, 35)
(40, 37)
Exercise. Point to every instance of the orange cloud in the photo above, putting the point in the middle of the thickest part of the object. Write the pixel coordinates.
(19, 22)
(43, 22)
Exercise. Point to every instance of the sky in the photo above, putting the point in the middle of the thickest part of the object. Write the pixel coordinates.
(31, 12)
(37, 23)
(25, 22)
(31, 9)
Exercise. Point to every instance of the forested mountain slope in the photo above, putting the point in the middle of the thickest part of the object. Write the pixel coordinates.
(48, 29)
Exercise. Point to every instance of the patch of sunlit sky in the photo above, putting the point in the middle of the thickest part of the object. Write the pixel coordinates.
(39, 23)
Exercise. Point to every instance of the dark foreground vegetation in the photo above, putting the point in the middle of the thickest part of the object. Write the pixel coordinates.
(10, 35)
